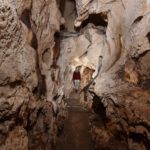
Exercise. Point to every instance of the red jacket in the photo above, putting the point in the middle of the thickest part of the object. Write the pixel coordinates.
(76, 75)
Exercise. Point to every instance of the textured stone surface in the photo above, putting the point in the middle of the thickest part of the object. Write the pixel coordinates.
(122, 38)
(36, 65)
(28, 120)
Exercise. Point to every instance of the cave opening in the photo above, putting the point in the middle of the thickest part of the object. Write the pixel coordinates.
(96, 19)
(69, 12)
(99, 19)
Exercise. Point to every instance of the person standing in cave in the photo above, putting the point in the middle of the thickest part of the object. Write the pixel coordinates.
(76, 79)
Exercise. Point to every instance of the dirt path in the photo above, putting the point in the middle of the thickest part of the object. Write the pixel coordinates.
(75, 135)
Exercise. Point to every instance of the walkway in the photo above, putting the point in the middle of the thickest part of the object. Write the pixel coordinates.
(75, 135)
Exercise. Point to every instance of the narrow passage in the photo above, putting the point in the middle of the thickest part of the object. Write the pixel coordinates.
(76, 134)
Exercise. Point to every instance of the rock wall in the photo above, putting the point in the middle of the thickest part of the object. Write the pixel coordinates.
(119, 32)
(37, 61)
(29, 119)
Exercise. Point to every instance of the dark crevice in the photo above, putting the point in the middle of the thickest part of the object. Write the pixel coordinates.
(141, 124)
(137, 137)
(56, 50)
(96, 19)
(40, 90)
(145, 84)
(12, 115)
(15, 83)
(61, 5)
(62, 27)
(148, 36)
(99, 107)
(68, 13)
(141, 55)
(138, 19)
(25, 18)
(33, 42)
(32, 39)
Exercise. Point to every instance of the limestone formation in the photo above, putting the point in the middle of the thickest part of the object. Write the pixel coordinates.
(26, 113)
(41, 43)
(122, 38)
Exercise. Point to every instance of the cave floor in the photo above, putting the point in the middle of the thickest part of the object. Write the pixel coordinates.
(76, 134)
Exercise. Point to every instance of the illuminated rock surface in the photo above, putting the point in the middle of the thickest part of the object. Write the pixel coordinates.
(41, 43)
